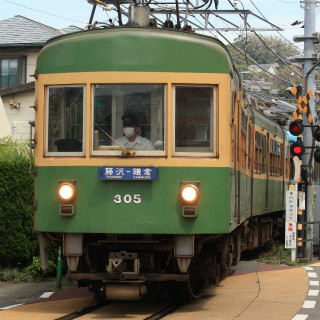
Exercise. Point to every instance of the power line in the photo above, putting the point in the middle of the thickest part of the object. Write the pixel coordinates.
(277, 31)
(252, 61)
(50, 14)
(273, 52)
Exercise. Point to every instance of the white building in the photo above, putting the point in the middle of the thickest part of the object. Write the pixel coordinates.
(21, 40)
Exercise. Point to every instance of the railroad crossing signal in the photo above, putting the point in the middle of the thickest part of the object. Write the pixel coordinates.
(303, 104)
(297, 149)
(296, 127)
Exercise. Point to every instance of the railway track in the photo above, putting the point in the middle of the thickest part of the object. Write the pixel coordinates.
(92, 307)
(81, 312)
(165, 311)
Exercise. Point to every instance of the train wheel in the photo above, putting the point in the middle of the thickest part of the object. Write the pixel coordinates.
(196, 285)
(187, 291)
(236, 248)
(99, 291)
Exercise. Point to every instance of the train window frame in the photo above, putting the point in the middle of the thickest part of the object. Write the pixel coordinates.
(83, 144)
(115, 151)
(213, 123)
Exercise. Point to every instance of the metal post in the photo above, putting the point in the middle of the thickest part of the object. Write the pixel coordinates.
(294, 250)
(59, 271)
(309, 50)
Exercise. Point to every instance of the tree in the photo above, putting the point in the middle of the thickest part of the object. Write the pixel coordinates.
(255, 48)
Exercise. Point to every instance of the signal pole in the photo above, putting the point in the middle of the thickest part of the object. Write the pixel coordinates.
(309, 51)
(309, 38)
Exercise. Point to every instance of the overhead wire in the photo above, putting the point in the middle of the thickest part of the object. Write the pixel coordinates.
(277, 31)
(273, 52)
(50, 14)
(252, 61)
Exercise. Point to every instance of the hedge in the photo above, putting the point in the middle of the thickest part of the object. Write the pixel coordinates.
(18, 241)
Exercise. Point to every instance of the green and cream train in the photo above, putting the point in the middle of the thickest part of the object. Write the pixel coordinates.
(200, 177)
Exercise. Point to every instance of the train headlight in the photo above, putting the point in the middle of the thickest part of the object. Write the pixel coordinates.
(67, 191)
(189, 193)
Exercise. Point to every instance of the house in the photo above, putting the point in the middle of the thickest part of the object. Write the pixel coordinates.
(21, 40)
(262, 86)
(271, 68)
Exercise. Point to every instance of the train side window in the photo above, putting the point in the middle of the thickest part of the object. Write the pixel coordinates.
(65, 117)
(194, 120)
(258, 153)
(243, 140)
(139, 107)
(264, 154)
(276, 158)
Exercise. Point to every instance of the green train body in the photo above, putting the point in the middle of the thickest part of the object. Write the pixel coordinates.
(209, 137)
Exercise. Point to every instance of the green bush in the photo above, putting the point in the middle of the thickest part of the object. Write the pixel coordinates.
(35, 271)
(14, 275)
(18, 241)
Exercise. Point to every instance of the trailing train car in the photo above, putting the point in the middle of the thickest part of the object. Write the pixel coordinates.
(150, 166)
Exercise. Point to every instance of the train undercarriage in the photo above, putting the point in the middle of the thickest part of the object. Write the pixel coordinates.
(133, 267)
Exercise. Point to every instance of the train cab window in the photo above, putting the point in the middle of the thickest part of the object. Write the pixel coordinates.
(128, 117)
(194, 120)
(65, 114)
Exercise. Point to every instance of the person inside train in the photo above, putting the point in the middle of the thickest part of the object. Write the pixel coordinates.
(131, 138)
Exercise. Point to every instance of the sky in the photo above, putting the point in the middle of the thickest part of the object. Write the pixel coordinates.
(62, 13)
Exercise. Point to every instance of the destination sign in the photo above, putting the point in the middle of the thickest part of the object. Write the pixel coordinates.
(128, 173)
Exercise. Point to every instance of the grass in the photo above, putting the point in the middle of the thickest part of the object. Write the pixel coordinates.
(30, 273)
(279, 255)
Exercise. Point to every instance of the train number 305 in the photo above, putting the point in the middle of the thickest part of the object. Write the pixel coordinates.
(127, 198)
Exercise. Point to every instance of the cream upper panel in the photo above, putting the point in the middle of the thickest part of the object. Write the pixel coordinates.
(220, 83)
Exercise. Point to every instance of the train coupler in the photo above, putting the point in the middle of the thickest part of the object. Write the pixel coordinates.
(123, 266)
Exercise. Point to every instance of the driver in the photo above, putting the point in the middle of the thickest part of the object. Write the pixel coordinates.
(131, 138)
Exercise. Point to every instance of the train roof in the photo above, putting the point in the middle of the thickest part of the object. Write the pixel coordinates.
(261, 120)
(135, 49)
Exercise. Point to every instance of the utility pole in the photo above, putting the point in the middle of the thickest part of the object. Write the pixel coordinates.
(309, 51)
(309, 38)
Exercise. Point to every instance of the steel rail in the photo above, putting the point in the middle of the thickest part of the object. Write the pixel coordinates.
(165, 311)
(79, 313)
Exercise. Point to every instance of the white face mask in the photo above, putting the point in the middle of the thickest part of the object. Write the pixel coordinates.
(128, 132)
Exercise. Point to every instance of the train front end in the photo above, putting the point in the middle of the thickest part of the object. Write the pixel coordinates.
(132, 214)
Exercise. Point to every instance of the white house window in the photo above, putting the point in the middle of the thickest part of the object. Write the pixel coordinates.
(13, 71)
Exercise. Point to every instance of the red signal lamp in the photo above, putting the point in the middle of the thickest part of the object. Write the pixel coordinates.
(296, 128)
(297, 149)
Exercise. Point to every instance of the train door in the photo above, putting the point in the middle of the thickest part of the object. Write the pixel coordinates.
(250, 166)
(283, 170)
(234, 212)
(265, 164)
(243, 181)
